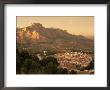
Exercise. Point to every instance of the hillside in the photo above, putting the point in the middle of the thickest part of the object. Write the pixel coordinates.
(38, 37)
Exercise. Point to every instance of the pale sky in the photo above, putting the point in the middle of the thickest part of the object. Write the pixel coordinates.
(79, 25)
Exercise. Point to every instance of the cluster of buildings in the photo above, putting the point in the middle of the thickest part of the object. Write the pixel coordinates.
(73, 60)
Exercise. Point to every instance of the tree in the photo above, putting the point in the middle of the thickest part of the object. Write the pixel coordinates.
(19, 62)
(63, 71)
(27, 65)
(35, 67)
(48, 59)
(24, 54)
(73, 72)
(91, 65)
(51, 68)
(30, 64)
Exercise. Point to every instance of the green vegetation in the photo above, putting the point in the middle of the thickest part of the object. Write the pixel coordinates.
(30, 64)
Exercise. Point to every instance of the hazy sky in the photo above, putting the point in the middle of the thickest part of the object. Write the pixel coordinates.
(79, 25)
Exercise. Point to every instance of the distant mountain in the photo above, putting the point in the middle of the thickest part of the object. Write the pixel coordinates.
(39, 37)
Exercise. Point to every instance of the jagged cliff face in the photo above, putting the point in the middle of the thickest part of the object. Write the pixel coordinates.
(50, 38)
(33, 33)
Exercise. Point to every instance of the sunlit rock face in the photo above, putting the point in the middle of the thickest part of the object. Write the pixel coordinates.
(35, 35)
(24, 29)
(24, 34)
(19, 35)
(27, 34)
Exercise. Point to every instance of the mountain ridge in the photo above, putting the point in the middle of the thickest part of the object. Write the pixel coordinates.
(37, 36)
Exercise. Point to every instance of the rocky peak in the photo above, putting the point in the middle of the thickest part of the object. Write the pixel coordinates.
(37, 25)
